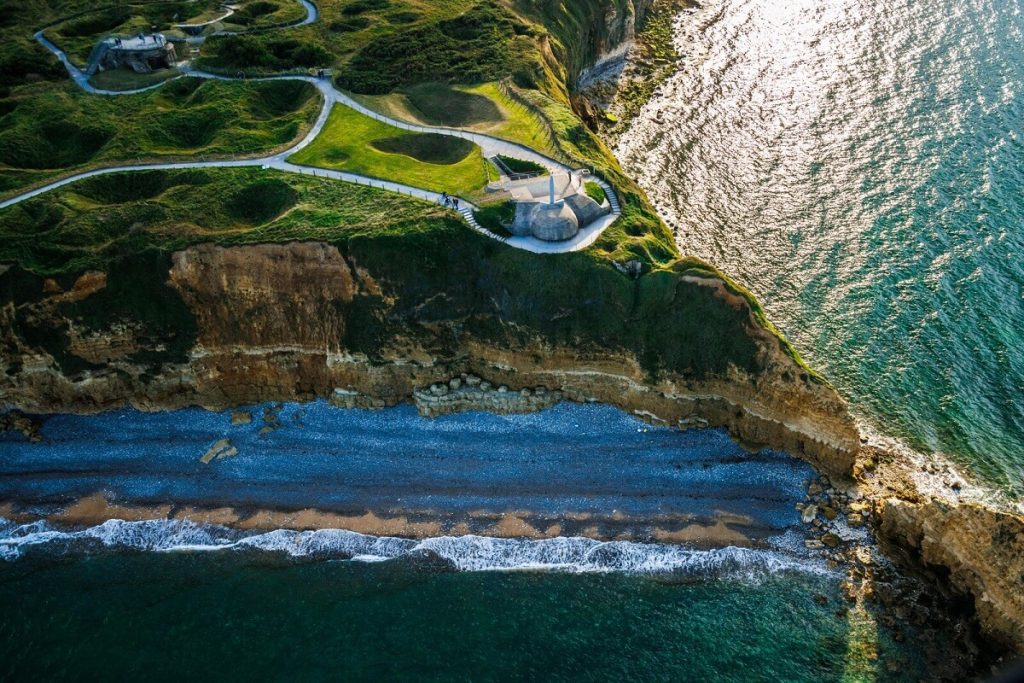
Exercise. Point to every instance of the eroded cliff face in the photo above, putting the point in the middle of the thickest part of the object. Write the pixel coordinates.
(272, 323)
(980, 549)
(299, 321)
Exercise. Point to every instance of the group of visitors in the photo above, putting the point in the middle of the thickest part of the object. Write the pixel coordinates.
(453, 202)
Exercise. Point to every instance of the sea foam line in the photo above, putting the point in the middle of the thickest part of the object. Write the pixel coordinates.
(462, 553)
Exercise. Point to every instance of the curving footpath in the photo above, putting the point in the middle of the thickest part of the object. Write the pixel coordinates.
(332, 96)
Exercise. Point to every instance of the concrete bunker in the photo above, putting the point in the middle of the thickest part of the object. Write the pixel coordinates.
(142, 53)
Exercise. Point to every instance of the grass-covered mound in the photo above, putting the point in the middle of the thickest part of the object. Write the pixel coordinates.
(48, 132)
(122, 80)
(258, 14)
(439, 104)
(261, 202)
(344, 28)
(91, 223)
(484, 44)
(497, 217)
(430, 148)
(522, 166)
(353, 142)
(501, 117)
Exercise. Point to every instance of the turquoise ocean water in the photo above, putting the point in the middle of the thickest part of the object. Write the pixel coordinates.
(860, 166)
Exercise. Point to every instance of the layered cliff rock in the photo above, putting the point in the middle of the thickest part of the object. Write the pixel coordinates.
(277, 322)
(979, 549)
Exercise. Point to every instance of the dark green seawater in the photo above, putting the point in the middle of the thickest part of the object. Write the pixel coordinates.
(211, 616)
(167, 599)
(860, 166)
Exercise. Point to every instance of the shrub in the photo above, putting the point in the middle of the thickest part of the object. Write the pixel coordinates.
(521, 166)
(245, 51)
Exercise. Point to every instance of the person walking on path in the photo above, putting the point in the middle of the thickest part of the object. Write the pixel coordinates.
(455, 203)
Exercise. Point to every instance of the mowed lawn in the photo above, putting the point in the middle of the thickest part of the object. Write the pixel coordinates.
(358, 144)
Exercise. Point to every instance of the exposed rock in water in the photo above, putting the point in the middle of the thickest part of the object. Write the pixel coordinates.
(241, 417)
(979, 549)
(221, 450)
(19, 422)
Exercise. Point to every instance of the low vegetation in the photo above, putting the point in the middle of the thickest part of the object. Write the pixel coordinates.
(359, 144)
(126, 79)
(439, 104)
(54, 131)
(497, 217)
(92, 223)
(595, 192)
(430, 148)
(345, 27)
(463, 106)
(486, 43)
(522, 166)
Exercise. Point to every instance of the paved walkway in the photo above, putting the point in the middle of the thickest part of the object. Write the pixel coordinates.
(332, 96)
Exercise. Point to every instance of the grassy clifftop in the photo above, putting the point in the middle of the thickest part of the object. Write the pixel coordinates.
(434, 273)
(517, 55)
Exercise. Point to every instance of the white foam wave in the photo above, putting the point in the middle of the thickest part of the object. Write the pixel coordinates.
(464, 553)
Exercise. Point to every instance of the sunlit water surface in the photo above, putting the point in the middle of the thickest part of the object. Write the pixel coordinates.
(860, 166)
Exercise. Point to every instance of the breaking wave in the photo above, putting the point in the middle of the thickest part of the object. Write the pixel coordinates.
(463, 553)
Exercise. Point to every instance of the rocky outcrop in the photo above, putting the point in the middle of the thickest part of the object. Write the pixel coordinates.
(979, 550)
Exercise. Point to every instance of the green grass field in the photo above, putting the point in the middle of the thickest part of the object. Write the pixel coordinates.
(595, 192)
(356, 143)
(496, 216)
(49, 131)
(89, 223)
